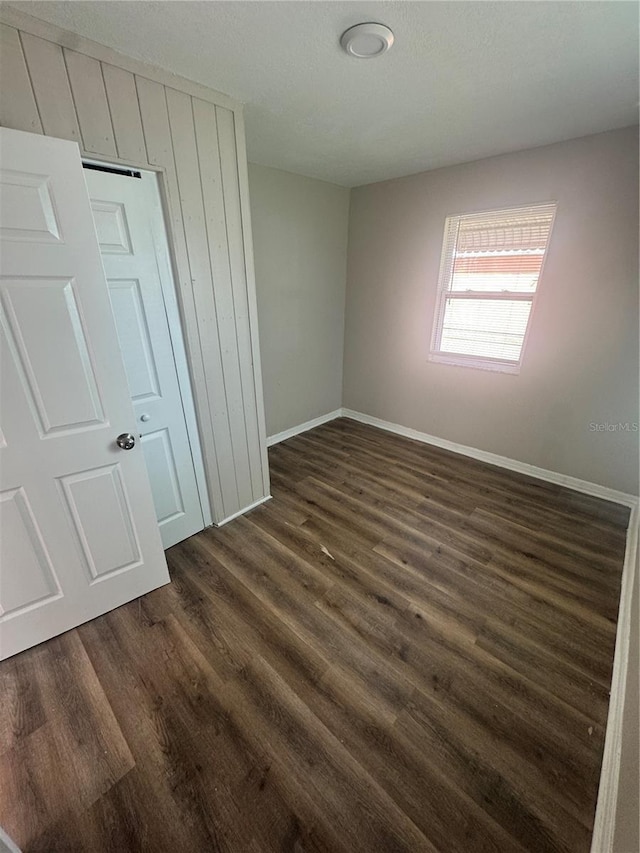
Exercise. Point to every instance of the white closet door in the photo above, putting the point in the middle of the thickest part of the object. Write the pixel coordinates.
(78, 534)
(126, 211)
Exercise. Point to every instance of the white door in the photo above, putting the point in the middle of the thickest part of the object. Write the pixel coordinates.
(129, 225)
(78, 534)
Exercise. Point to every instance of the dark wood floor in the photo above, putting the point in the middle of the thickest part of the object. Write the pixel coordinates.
(406, 650)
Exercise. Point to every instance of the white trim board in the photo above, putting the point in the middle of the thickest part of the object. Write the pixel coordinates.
(584, 486)
(241, 511)
(565, 480)
(604, 825)
(289, 433)
(65, 38)
(605, 819)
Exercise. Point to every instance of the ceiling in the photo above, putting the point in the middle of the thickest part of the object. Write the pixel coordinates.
(464, 80)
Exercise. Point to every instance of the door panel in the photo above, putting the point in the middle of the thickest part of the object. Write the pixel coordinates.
(78, 534)
(28, 197)
(108, 541)
(126, 212)
(165, 485)
(135, 341)
(111, 227)
(56, 369)
(22, 542)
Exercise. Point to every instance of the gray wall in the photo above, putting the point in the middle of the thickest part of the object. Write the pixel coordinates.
(581, 363)
(300, 248)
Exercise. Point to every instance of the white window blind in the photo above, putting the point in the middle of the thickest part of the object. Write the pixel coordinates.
(489, 273)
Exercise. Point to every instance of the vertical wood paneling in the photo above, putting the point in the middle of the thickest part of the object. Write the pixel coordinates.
(245, 210)
(92, 108)
(186, 160)
(155, 126)
(157, 131)
(116, 114)
(17, 103)
(125, 113)
(51, 87)
(231, 193)
(211, 182)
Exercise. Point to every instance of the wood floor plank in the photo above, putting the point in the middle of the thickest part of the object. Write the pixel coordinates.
(348, 710)
(405, 650)
(521, 801)
(455, 469)
(269, 712)
(199, 757)
(602, 536)
(21, 709)
(81, 736)
(487, 591)
(490, 697)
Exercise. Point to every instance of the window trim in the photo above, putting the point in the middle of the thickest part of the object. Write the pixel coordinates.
(443, 293)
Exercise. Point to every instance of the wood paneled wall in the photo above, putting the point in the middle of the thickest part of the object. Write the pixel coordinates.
(122, 111)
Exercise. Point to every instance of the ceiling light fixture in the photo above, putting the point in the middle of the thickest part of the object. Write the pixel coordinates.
(364, 41)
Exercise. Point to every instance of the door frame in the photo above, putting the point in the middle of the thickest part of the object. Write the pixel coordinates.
(163, 237)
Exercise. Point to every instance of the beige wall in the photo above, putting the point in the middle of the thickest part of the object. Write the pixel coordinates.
(300, 249)
(581, 364)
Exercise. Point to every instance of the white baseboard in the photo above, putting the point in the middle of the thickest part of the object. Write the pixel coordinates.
(296, 430)
(241, 511)
(584, 486)
(605, 819)
(604, 825)
(501, 461)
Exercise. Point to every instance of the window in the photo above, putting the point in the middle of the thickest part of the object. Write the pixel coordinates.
(489, 272)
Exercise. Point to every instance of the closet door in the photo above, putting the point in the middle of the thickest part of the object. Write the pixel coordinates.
(78, 533)
(129, 226)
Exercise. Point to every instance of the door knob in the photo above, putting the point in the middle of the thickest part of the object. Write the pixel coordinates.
(145, 417)
(126, 441)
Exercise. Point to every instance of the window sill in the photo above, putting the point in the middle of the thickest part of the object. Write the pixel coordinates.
(476, 363)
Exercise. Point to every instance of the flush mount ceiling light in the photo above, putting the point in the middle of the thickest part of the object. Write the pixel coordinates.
(364, 41)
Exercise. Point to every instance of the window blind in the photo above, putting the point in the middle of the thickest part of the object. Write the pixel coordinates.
(490, 268)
